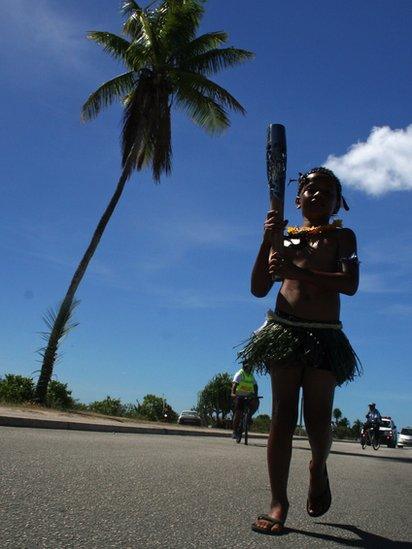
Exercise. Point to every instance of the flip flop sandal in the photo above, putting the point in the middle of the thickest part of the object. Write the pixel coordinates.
(319, 505)
(268, 530)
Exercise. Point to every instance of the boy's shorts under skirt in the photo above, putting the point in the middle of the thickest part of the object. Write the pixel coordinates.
(288, 340)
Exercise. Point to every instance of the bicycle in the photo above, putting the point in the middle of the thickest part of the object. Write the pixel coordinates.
(245, 419)
(370, 438)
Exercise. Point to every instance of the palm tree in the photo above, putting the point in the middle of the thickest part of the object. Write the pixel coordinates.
(337, 414)
(356, 428)
(166, 64)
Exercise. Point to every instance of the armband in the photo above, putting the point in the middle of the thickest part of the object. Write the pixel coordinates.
(353, 259)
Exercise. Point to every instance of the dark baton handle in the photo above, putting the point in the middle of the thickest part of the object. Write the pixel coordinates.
(276, 158)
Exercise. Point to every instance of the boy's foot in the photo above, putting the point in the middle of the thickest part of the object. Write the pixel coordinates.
(273, 523)
(319, 497)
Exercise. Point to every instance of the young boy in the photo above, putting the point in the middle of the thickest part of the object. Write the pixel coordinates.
(302, 343)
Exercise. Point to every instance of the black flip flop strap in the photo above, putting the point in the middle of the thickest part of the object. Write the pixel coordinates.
(270, 519)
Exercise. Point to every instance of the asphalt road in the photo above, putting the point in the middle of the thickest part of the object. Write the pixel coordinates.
(71, 489)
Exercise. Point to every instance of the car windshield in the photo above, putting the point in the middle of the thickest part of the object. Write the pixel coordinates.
(386, 423)
(406, 432)
(189, 413)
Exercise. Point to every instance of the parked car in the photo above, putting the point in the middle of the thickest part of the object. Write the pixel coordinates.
(189, 417)
(405, 437)
(388, 433)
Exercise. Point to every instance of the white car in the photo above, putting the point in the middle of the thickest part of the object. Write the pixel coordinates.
(189, 417)
(405, 437)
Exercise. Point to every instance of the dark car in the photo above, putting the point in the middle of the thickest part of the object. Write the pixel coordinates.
(189, 417)
(388, 433)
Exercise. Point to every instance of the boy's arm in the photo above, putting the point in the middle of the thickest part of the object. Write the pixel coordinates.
(234, 386)
(262, 280)
(345, 281)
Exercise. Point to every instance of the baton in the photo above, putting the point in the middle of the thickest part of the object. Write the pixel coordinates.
(276, 172)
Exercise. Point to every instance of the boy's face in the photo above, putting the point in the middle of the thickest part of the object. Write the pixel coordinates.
(318, 197)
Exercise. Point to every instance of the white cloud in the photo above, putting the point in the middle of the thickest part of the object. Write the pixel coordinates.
(211, 233)
(47, 34)
(399, 309)
(381, 164)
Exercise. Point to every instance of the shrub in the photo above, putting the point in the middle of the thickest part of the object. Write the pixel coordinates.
(152, 407)
(109, 406)
(130, 410)
(59, 395)
(16, 389)
(261, 423)
(343, 432)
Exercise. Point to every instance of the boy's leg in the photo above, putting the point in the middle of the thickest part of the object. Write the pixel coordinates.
(286, 382)
(318, 392)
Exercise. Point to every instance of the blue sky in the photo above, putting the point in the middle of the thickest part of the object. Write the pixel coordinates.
(166, 298)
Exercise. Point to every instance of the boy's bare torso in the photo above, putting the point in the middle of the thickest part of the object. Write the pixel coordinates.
(306, 300)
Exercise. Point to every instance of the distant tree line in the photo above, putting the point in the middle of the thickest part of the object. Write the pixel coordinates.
(342, 428)
(17, 389)
(214, 405)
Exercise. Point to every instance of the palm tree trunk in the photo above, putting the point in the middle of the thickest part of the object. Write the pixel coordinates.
(50, 353)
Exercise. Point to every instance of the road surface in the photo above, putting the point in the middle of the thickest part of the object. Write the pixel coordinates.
(73, 489)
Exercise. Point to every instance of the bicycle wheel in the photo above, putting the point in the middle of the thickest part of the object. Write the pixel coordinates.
(375, 442)
(363, 442)
(246, 424)
(240, 431)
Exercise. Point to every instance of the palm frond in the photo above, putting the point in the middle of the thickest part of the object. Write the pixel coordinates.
(104, 96)
(162, 139)
(133, 25)
(204, 111)
(129, 7)
(136, 24)
(113, 44)
(215, 60)
(146, 127)
(179, 24)
(205, 42)
(150, 35)
(57, 332)
(206, 87)
(136, 123)
(139, 55)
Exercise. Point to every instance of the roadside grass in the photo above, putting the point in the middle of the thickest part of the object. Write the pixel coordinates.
(32, 407)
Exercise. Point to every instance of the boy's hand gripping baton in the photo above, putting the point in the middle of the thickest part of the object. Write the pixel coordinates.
(276, 172)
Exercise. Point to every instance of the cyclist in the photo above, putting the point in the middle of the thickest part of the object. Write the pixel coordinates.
(244, 385)
(373, 419)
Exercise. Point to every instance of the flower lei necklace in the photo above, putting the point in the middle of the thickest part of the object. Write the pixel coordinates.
(311, 231)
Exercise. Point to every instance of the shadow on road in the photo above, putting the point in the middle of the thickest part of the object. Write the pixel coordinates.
(338, 452)
(372, 456)
(366, 539)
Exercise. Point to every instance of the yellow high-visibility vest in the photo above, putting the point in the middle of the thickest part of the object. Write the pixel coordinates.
(246, 385)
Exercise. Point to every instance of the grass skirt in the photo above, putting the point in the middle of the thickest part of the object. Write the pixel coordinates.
(286, 342)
